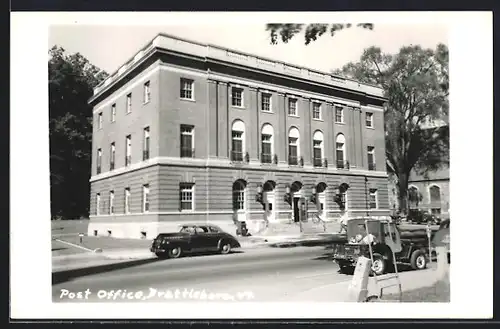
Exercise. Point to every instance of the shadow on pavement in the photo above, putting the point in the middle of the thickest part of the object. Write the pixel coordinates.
(64, 276)
(56, 249)
(208, 253)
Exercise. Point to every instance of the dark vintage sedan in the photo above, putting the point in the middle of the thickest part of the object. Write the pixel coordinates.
(193, 238)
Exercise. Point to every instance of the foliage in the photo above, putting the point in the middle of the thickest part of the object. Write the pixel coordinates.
(416, 83)
(285, 32)
(71, 82)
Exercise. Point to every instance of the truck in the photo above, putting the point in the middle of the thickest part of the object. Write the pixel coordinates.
(390, 246)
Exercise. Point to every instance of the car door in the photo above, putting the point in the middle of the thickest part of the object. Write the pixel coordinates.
(215, 236)
(201, 240)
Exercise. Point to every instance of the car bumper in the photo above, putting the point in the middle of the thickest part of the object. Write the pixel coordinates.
(155, 250)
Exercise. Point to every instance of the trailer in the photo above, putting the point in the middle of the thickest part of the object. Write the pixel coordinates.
(389, 246)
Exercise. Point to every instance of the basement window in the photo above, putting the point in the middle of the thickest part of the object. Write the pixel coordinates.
(109, 233)
(143, 235)
(95, 232)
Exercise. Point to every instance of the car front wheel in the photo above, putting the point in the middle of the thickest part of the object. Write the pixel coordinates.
(418, 260)
(175, 252)
(379, 264)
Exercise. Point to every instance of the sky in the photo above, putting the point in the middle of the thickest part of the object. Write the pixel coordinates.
(110, 46)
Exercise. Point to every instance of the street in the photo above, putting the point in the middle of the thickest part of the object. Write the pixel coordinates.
(267, 274)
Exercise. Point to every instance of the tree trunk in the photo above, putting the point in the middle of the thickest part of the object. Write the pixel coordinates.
(403, 193)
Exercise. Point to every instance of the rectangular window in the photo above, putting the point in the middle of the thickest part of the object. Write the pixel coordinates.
(145, 198)
(145, 151)
(339, 114)
(292, 107)
(187, 141)
(373, 199)
(98, 204)
(127, 200)
(237, 97)
(113, 113)
(111, 202)
(112, 152)
(186, 196)
(147, 92)
(129, 103)
(292, 151)
(369, 119)
(237, 146)
(371, 157)
(187, 91)
(266, 148)
(266, 102)
(99, 120)
(99, 161)
(128, 150)
(317, 111)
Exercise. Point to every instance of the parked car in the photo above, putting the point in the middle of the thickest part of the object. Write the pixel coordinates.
(193, 238)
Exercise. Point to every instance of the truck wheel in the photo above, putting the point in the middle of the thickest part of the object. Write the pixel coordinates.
(379, 264)
(175, 252)
(418, 261)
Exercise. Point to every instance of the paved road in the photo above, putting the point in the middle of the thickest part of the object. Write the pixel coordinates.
(260, 275)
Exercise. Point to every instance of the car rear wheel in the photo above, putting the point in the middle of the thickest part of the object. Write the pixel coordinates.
(225, 248)
(418, 260)
(175, 252)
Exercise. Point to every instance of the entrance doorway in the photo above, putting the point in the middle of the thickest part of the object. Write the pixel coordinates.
(295, 209)
(296, 192)
(269, 201)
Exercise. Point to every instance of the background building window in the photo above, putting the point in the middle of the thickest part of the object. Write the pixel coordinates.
(187, 89)
(435, 194)
(127, 200)
(373, 199)
(99, 161)
(266, 102)
(317, 111)
(237, 97)
(292, 107)
(369, 119)
(111, 202)
(186, 196)
(238, 141)
(129, 103)
(145, 198)
(112, 153)
(147, 92)
(145, 152)
(128, 150)
(339, 114)
(187, 141)
(318, 149)
(293, 146)
(371, 157)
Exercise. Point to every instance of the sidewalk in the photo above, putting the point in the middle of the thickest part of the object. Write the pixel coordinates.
(339, 292)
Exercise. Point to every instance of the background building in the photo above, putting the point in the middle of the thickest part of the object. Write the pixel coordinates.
(186, 131)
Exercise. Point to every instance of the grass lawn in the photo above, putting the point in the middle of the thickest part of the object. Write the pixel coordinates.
(438, 293)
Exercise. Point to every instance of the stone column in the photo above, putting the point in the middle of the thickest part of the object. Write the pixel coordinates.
(281, 139)
(213, 127)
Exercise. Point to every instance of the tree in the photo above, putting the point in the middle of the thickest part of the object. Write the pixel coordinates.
(312, 32)
(71, 82)
(416, 82)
